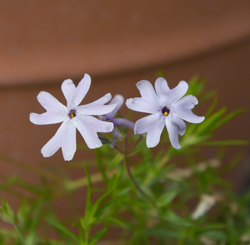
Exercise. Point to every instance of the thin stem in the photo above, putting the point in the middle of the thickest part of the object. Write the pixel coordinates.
(101, 168)
(86, 240)
(19, 232)
(119, 150)
(133, 179)
(129, 171)
(136, 184)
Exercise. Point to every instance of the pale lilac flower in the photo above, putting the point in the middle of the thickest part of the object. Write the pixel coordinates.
(73, 116)
(167, 107)
(118, 121)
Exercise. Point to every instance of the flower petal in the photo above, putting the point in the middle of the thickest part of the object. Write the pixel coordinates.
(173, 133)
(104, 99)
(95, 124)
(88, 127)
(123, 122)
(182, 109)
(153, 126)
(141, 105)
(162, 89)
(189, 116)
(169, 96)
(187, 102)
(148, 93)
(74, 95)
(95, 109)
(46, 118)
(68, 89)
(53, 145)
(51, 104)
(176, 93)
(179, 123)
(118, 100)
(81, 90)
(69, 141)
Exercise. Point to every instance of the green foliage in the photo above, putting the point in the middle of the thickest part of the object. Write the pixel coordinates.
(144, 196)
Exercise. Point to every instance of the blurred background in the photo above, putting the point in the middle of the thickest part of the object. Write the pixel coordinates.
(118, 43)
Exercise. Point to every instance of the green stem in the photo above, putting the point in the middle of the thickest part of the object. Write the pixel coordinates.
(100, 166)
(86, 237)
(19, 233)
(133, 179)
(118, 149)
(136, 184)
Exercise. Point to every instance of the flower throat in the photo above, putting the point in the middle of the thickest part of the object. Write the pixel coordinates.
(165, 111)
(72, 113)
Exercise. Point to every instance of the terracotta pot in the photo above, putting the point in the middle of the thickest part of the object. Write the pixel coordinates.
(44, 42)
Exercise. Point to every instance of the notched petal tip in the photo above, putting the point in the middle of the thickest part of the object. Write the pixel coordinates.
(86, 76)
(202, 119)
(44, 96)
(108, 96)
(129, 102)
(118, 100)
(196, 119)
(68, 157)
(181, 89)
(141, 83)
(110, 127)
(80, 91)
(32, 117)
(118, 97)
(160, 80)
(86, 79)
(177, 147)
(184, 83)
(44, 153)
(191, 99)
(40, 94)
(67, 82)
(149, 145)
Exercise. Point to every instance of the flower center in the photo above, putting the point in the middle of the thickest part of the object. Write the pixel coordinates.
(72, 113)
(165, 111)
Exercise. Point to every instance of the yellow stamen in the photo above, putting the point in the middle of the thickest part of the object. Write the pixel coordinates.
(72, 113)
(165, 114)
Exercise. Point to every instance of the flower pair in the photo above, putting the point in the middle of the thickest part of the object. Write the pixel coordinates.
(166, 106)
